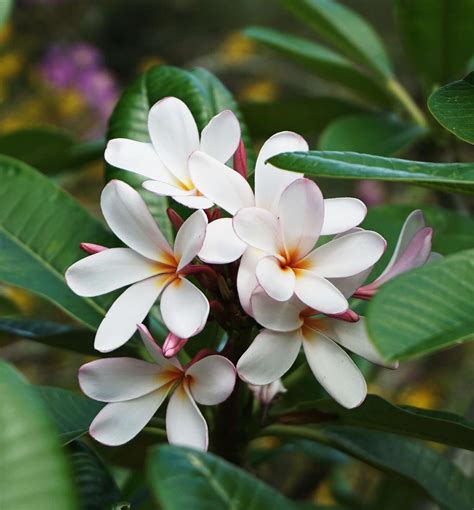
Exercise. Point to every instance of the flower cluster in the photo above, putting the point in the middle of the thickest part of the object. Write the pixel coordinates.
(279, 260)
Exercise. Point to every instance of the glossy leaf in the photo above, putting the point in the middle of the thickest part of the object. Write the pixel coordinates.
(438, 36)
(322, 61)
(345, 30)
(41, 228)
(209, 482)
(424, 310)
(453, 107)
(454, 177)
(35, 473)
(382, 135)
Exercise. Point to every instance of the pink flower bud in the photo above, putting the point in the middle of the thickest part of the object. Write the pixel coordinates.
(240, 160)
(92, 248)
(173, 344)
(175, 218)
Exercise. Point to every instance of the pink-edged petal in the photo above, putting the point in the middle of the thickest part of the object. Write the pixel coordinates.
(184, 308)
(165, 189)
(221, 244)
(194, 201)
(301, 212)
(185, 425)
(346, 255)
(155, 351)
(277, 281)
(212, 380)
(130, 308)
(258, 228)
(319, 294)
(174, 135)
(246, 279)
(108, 270)
(119, 379)
(219, 183)
(269, 356)
(334, 370)
(190, 238)
(342, 214)
(220, 138)
(269, 180)
(120, 422)
(131, 221)
(276, 315)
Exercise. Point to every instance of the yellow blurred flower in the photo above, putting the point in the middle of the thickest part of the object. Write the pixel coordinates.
(424, 396)
(10, 64)
(148, 62)
(5, 33)
(323, 495)
(236, 48)
(70, 103)
(24, 301)
(262, 91)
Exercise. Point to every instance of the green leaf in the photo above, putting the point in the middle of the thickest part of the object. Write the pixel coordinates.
(35, 473)
(5, 9)
(381, 135)
(378, 414)
(345, 30)
(210, 482)
(322, 61)
(438, 36)
(454, 177)
(453, 107)
(96, 486)
(424, 310)
(41, 228)
(70, 412)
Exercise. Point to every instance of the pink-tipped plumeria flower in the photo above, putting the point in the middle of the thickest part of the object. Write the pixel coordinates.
(135, 389)
(148, 265)
(291, 265)
(174, 137)
(290, 325)
(413, 250)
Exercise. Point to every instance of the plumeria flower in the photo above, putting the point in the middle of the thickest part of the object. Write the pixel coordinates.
(174, 137)
(148, 265)
(413, 250)
(135, 389)
(267, 392)
(290, 325)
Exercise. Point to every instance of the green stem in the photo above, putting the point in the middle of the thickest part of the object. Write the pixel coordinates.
(403, 97)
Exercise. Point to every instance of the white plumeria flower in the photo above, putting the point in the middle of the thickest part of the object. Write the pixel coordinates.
(135, 389)
(174, 137)
(267, 392)
(149, 266)
(290, 325)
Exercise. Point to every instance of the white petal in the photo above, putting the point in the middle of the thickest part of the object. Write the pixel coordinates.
(342, 214)
(301, 212)
(350, 284)
(219, 183)
(269, 180)
(193, 201)
(174, 135)
(131, 221)
(130, 308)
(119, 422)
(221, 244)
(246, 279)
(269, 356)
(108, 270)
(334, 370)
(346, 256)
(278, 282)
(212, 380)
(154, 350)
(190, 238)
(318, 293)
(276, 315)
(184, 308)
(137, 157)
(165, 189)
(119, 379)
(221, 137)
(258, 228)
(185, 425)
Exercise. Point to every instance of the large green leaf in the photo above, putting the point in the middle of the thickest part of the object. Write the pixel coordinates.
(438, 36)
(209, 482)
(345, 30)
(454, 177)
(382, 135)
(378, 414)
(35, 474)
(41, 228)
(5, 8)
(70, 412)
(323, 61)
(453, 106)
(425, 310)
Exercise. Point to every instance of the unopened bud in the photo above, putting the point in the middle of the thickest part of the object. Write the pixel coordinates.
(348, 316)
(175, 218)
(240, 160)
(267, 392)
(173, 344)
(92, 248)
